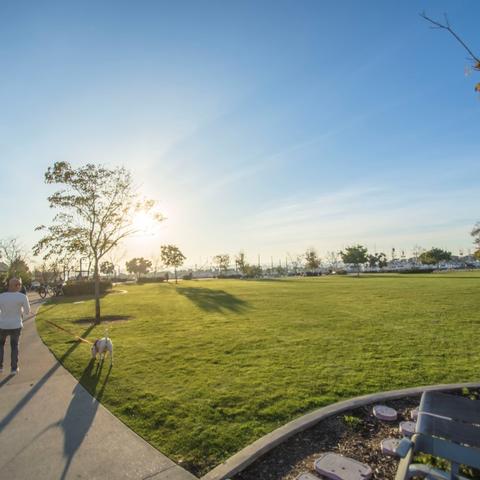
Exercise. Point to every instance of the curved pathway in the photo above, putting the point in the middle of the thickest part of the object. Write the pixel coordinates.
(52, 428)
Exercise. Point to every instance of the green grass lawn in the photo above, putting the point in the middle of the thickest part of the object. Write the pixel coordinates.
(206, 367)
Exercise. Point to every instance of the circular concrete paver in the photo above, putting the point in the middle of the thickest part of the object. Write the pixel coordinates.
(382, 412)
(407, 428)
(389, 446)
(337, 467)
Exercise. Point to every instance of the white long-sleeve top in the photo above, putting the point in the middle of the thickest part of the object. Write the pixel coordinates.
(13, 307)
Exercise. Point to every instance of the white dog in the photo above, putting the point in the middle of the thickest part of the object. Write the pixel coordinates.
(101, 347)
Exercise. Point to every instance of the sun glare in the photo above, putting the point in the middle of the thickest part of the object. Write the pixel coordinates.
(145, 224)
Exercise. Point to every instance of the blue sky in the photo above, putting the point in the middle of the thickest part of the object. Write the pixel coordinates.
(264, 126)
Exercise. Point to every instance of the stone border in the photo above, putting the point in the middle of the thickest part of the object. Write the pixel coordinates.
(252, 452)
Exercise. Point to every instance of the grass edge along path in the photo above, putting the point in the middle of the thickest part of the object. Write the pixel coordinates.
(203, 369)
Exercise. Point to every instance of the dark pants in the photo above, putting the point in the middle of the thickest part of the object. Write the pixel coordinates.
(14, 338)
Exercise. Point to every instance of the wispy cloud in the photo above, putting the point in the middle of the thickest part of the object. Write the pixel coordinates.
(376, 215)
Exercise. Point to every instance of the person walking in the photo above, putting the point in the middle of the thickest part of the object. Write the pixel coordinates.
(14, 306)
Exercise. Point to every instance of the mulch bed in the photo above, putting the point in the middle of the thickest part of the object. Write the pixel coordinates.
(357, 439)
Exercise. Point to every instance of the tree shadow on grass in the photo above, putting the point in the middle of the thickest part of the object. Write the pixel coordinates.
(420, 276)
(104, 318)
(212, 300)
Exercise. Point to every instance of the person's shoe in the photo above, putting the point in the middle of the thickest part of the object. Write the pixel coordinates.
(14, 372)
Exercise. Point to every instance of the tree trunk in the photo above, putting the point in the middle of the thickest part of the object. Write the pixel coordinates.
(175, 269)
(97, 292)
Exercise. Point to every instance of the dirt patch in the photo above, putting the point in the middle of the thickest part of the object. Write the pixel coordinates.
(105, 318)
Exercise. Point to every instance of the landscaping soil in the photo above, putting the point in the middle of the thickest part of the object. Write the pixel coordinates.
(358, 438)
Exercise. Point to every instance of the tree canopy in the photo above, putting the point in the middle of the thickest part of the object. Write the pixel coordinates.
(377, 260)
(107, 268)
(475, 233)
(96, 209)
(172, 257)
(222, 261)
(312, 260)
(241, 262)
(434, 256)
(138, 266)
(355, 255)
(15, 258)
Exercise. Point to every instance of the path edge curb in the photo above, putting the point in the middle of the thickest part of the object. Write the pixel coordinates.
(260, 447)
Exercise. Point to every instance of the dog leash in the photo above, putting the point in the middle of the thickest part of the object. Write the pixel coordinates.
(70, 333)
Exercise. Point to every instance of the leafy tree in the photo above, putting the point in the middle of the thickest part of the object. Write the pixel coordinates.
(477, 255)
(280, 270)
(222, 261)
(97, 206)
(355, 255)
(312, 260)
(138, 266)
(252, 271)
(446, 26)
(107, 268)
(434, 256)
(475, 233)
(240, 262)
(14, 257)
(19, 268)
(11, 251)
(172, 257)
(377, 260)
(372, 260)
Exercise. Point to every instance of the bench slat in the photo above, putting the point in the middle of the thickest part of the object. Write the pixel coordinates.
(447, 450)
(451, 406)
(449, 429)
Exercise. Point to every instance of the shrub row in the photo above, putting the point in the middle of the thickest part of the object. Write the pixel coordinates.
(77, 287)
(142, 280)
(118, 279)
(415, 270)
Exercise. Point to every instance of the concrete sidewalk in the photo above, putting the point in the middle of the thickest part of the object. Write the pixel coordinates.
(52, 428)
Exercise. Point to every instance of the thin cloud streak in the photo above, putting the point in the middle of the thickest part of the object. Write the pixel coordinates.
(369, 214)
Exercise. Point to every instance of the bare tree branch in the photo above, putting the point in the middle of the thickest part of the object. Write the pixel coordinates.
(446, 26)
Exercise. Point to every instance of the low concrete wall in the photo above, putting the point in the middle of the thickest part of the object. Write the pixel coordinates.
(248, 455)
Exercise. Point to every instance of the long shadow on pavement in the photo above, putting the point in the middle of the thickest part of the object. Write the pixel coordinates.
(79, 415)
(212, 300)
(5, 380)
(32, 392)
(81, 411)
